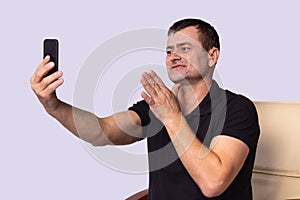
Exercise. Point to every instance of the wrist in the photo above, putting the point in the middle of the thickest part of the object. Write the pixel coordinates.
(174, 123)
(52, 108)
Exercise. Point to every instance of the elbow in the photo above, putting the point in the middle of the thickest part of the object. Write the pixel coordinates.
(213, 188)
(99, 140)
(102, 136)
(210, 193)
(97, 144)
(102, 140)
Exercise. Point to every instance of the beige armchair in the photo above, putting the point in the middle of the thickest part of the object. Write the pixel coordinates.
(276, 174)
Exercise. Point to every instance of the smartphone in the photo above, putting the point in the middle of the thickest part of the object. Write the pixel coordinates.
(51, 49)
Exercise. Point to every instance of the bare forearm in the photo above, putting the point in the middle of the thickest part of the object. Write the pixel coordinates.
(213, 168)
(204, 166)
(82, 124)
(186, 142)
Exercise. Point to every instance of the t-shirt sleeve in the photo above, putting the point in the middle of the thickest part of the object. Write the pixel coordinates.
(242, 121)
(142, 109)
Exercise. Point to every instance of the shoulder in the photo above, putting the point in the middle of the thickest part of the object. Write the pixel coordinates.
(241, 106)
(223, 99)
(239, 102)
(238, 98)
(241, 119)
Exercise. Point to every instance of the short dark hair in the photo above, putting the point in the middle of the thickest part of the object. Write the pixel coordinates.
(208, 36)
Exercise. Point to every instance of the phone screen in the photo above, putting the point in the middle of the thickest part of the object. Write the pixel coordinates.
(51, 49)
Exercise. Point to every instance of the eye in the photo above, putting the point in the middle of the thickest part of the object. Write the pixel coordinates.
(185, 49)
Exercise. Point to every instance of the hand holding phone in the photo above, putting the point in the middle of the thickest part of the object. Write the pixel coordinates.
(51, 49)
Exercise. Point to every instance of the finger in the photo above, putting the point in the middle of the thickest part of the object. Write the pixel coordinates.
(148, 86)
(147, 98)
(47, 81)
(159, 86)
(51, 78)
(143, 80)
(156, 78)
(34, 78)
(154, 81)
(51, 88)
(41, 71)
(148, 78)
(45, 61)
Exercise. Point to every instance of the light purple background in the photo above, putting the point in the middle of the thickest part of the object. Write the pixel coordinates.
(41, 160)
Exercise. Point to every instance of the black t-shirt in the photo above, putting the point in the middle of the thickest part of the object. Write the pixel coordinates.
(220, 113)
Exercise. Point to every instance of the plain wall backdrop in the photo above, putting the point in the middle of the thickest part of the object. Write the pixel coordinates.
(42, 160)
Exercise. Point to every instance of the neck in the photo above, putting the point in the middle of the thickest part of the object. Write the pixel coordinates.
(190, 95)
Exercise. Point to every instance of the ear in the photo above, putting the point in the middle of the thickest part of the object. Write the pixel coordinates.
(213, 54)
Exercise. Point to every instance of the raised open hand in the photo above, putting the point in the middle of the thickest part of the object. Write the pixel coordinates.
(162, 101)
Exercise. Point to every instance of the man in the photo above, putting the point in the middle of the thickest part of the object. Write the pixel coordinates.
(201, 139)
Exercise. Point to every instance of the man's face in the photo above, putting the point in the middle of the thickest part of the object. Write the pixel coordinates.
(186, 59)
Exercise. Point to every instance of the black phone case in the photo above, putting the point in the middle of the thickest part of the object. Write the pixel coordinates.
(51, 49)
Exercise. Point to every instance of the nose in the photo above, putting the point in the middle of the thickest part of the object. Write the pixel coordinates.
(174, 57)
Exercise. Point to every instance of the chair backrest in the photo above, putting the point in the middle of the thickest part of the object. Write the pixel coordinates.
(276, 172)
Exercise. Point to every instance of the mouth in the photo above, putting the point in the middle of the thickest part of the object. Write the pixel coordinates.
(177, 67)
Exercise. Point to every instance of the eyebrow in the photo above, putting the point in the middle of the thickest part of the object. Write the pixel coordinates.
(179, 45)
